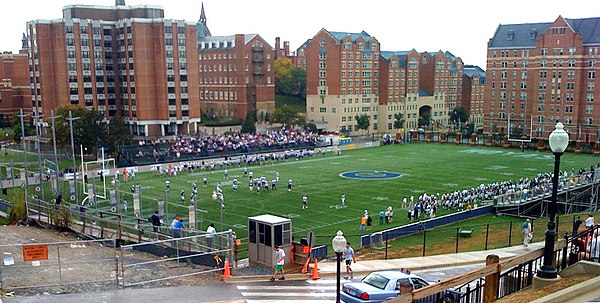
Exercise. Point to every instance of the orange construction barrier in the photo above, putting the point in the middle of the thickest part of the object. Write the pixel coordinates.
(226, 270)
(305, 267)
(292, 254)
(315, 272)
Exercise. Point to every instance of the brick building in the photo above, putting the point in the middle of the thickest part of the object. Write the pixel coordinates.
(538, 73)
(474, 94)
(236, 74)
(118, 60)
(348, 75)
(15, 92)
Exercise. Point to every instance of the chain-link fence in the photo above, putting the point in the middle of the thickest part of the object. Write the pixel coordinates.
(198, 254)
(39, 265)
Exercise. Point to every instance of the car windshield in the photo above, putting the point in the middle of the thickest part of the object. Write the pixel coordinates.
(376, 280)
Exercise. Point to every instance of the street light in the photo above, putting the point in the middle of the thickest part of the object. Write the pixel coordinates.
(558, 140)
(339, 244)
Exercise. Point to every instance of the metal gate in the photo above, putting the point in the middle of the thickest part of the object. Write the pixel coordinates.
(192, 255)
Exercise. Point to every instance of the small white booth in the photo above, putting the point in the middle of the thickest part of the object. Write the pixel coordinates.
(264, 233)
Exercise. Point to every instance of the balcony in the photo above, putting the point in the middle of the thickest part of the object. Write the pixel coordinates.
(257, 59)
(258, 72)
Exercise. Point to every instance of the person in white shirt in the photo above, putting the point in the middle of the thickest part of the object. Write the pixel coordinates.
(279, 262)
(210, 235)
(589, 221)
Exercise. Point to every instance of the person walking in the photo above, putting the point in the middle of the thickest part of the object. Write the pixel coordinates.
(177, 228)
(279, 262)
(155, 220)
(349, 257)
(589, 221)
(576, 224)
(527, 235)
(210, 235)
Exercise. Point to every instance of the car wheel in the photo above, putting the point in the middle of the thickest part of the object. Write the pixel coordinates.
(446, 299)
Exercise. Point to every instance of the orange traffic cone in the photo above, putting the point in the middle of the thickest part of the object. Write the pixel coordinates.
(226, 270)
(315, 271)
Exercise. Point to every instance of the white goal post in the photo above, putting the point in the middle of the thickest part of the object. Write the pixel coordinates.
(102, 169)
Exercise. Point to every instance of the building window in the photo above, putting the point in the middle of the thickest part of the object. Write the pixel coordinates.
(322, 42)
(322, 109)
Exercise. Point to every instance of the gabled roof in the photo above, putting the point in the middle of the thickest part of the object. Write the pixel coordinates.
(471, 70)
(525, 35)
(341, 35)
(401, 55)
(589, 28)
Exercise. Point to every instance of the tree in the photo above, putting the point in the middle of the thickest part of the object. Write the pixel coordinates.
(249, 125)
(88, 130)
(289, 80)
(29, 130)
(285, 115)
(118, 133)
(424, 119)
(398, 121)
(459, 114)
(362, 121)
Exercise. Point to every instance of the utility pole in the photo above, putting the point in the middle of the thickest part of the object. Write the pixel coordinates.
(21, 115)
(71, 119)
(53, 117)
(38, 130)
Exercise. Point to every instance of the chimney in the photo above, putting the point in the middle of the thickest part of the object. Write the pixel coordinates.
(286, 48)
(277, 46)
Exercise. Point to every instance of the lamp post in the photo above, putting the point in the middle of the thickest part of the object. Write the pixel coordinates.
(558, 140)
(338, 243)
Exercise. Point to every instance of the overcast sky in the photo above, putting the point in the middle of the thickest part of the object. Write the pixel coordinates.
(461, 27)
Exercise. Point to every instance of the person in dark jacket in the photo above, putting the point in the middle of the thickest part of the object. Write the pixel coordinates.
(155, 220)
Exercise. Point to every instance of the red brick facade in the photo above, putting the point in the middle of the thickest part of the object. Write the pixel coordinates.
(544, 72)
(15, 92)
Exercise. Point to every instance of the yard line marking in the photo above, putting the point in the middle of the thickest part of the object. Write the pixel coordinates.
(283, 288)
(294, 301)
(287, 294)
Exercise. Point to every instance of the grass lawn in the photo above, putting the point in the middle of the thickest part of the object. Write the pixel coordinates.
(431, 168)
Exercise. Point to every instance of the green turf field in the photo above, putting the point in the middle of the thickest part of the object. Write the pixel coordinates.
(431, 168)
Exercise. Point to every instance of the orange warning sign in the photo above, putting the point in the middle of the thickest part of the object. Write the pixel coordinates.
(35, 252)
(306, 249)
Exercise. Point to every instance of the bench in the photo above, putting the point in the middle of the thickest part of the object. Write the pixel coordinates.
(465, 233)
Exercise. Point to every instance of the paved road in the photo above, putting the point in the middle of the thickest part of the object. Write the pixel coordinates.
(319, 291)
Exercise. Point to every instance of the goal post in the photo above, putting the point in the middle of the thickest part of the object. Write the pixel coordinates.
(97, 172)
(520, 129)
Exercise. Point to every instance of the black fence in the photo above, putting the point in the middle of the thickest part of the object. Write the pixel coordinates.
(163, 153)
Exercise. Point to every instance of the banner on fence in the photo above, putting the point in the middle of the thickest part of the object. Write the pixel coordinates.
(72, 189)
(161, 208)
(113, 200)
(192, 209)
(36, 252)
(137, 207)
(91, 195)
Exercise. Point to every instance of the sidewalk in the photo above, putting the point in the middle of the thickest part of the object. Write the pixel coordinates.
(439, 261)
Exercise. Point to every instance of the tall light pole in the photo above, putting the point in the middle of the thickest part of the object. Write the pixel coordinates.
(558, 140)
(339, 243)
(71, 119)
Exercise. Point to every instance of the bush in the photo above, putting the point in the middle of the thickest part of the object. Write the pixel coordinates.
(18, 211)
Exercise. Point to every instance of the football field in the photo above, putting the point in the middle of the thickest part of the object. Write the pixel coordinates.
(371, 178)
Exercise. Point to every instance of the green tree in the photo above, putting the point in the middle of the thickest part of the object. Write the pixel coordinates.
(118, 133)
(88, 130)
(363, 122)
(289, 80)
(249, 125)
(285, 116)
(29, 130)
(398, 121)
(459, 114)
(424, 120)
